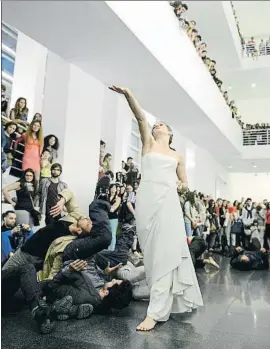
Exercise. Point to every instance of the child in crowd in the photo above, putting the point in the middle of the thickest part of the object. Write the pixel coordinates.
(45, 164)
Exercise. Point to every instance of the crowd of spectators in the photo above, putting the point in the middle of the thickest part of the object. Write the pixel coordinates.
(190, 26)
(250, 47)
(227, 226)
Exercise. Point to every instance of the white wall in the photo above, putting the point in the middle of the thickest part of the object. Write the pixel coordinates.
(255, 110)
(29, 74)
(249, 185)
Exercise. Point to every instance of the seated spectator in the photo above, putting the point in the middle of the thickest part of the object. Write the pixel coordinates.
(203, 55)
(250, 260)
(37, 117)
(197, 42)
(101, 156)
(106, 164)
(20, 112)
(34, 250)
(115, 203)
(13, 235)
(45, 164)
(127, 211)
(51, 143)
(10, 136)
(49, 189)
(25, 191)
(33, 146)
(4, 100)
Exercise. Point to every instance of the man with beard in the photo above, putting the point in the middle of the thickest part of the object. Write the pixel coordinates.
(49, 190)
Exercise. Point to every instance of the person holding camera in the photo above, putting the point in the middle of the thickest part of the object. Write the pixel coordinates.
(13, 235)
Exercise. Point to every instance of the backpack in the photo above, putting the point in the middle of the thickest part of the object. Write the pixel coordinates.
(237, 227)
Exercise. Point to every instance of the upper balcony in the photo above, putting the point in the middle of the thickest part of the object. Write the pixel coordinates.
(139, 45)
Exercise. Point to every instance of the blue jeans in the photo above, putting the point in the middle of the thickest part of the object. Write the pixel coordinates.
(189, 230)
(114, 225)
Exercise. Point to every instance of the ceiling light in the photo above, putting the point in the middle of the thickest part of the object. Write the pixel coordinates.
(255, 166)
(230, 166)
(229, 88)
(253, 85)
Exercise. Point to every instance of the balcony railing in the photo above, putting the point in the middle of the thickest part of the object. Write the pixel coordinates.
(256, 137)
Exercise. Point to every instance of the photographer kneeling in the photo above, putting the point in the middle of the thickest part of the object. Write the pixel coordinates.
(13, 236)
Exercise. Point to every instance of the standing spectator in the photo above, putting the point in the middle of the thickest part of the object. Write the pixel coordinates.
(226, 97)
(9, 136)
(33, 146)
(20, 111)
(262, 48)
(25, 191)
(3, 155)
(249, 214)
(267, 45)
(212, 215)
(201, 208)
(115, 202)
(128, 164)
(261, 217)
(51, 143)
(251, 46)
(191, 215)
(102, 148)
(4, 101)
(106, 164)
(48, 194)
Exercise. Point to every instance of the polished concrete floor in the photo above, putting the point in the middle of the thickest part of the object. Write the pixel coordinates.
(236, 315)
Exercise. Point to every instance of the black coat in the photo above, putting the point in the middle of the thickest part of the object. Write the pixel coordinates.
(257, 260)
(99, 238)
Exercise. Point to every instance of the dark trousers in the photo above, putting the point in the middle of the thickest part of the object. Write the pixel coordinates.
(254, 245)
(196, 249)
(51, 220)
(24, 277)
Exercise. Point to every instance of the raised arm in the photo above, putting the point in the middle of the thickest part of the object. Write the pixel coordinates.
(181, 172)
(138, 113)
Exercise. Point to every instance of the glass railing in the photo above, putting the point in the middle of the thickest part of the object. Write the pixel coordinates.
(256, 136)
(256, 47)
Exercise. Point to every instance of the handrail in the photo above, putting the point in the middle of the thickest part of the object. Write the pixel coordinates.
(6, 120)
(256, 136)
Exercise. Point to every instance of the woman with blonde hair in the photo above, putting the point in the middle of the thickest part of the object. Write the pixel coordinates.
(33, 145)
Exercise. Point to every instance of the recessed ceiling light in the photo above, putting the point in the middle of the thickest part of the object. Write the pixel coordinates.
(230, 166)
(253, 85)
(229, 88)
(255, 166)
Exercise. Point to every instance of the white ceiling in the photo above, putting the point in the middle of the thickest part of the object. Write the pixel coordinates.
(254, 17)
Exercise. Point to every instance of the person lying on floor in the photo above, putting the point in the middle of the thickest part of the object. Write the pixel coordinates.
(109, 261)
(85, 284)
(244, 260)
(99, 239)
(197, 246)
(74, 224)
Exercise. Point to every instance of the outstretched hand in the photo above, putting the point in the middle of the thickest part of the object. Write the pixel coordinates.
(77, 265)
(109, 270)
(121, 90)
(58, 208)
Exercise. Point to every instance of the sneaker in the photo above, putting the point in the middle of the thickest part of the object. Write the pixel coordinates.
(211, 261)
(63, 306)
(82, 311)
(41, 314)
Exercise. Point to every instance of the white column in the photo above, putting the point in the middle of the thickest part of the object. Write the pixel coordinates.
(29, 74)
(55, 99)
(116, 127)
(82, 135)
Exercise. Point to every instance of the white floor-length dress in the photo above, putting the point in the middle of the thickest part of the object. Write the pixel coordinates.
(169, 269)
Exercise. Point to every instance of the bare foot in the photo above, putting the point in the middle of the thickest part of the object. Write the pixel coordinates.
(147, 325)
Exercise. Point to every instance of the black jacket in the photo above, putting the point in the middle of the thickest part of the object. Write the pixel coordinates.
(257, 260)
(99, 238)
(120, 254)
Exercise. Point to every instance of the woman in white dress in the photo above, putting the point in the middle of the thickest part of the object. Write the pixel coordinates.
(160, 226)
